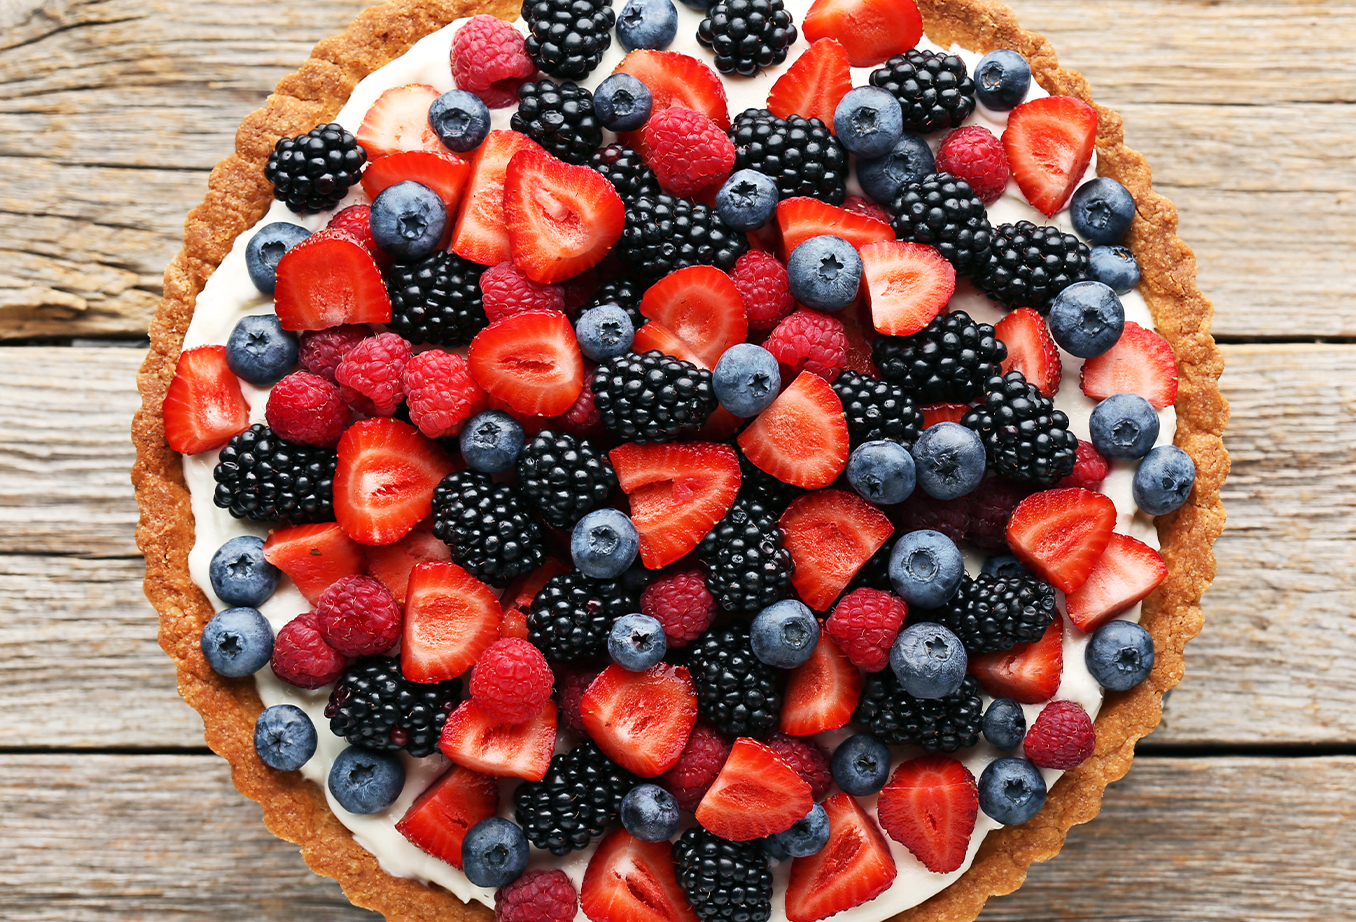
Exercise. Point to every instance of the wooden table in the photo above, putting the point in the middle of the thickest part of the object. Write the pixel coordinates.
(113, 111)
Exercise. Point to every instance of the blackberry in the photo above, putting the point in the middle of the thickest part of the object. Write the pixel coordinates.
(724, 881)
(747, 567)
(567, 38)
(944, 212)
(735, 690)
(488, 526)
(263, 477)
(935, 724)
(948, 361)
(991, 613)
(652, 397)
(933, 89)
(747, 35)
(313, 171)
(664, 232)
(626, 170)
(757, 485)
(375, 706)
(800, 154)
(565, 477)
(623, 292)
(436, 300)
(1029, 264)
(579, 797)
(1025, 437)
(877, 409)
(559, 117)
(572, 615)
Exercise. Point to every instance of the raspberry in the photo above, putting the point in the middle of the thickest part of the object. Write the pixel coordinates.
(810, 341)
(356, 220)
(1062, 736)
(762, 283)
(682, 604)
(441, 393)
(489, 58)
(302, 658)
(511, 681)
(373, 369)
(537, 896)
(859, 205)
(358, 616)
(949, 516)
(686, 150)
(701, 761)
(306, 408)
(506, 292)
(807, 758)
(570, 688)
(322, 350)
(991, 506)
(973, 154)
(578, 291)
(582, 418)
(865, 624)
(1090, 468)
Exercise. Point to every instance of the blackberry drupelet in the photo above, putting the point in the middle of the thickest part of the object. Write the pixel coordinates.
(944, 212)
(263, 477)
(652, 397)
(757, 485)
(877, 409)
(626, 170)
(1029, 264)
(567, 38)
(313, 172)
(565, 477)
(747, 567)
(747, 35)
(579, 797)
(933, 89)
(488, 526)
(436, 300)
(948, 361)
(935, 724)
(1025, 437)
(664, 233)
(623, 292)
(735, 691)
(572, 615)
(559, 116)
(724, 881)
(375, 706)
(800, 154)
(991, 613)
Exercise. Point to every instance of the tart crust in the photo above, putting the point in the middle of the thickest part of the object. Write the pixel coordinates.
(238, 195)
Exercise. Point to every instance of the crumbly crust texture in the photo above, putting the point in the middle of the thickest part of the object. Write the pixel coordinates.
(238, 195)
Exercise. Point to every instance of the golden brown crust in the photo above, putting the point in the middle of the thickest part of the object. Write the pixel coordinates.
(238, 196)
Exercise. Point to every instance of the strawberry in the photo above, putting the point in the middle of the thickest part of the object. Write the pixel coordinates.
(480, 234)
(830, 534)
(678, 492)
(907, 284)
(384, 480)
(854, 867)
(802, 437)
(628, 880)
(822, 692)
(393, 563)
(1028, 673)
(314, 556)
(641, 720)
(398, 121)
(438, 819)
(1141, 363)
(934, 413)
(562, 219)
(799, 218)
(869, 30)
(675, 79)
(702, 306)
(1031, 349)
(530, 361)
(1061, 534)
(814, 84)
(654, 336)
(756, 794)
(1128, 571)
(204, 406)
(720, 426)
(450, 619)
(473, 740)
(443, 172)
(329, 279)
(1049, 143)
(929, 806)
(518, 597)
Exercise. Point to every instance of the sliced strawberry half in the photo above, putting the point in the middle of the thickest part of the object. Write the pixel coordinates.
(641, 720)
(929, 806)
(814, 84)
(869, 30)
(443, 172)
(830, 534)
(393, 563)
(562, 219)
(934, 413)
(474, 740)
(384, 479)
(702, 306)
(314, 556)
(855, 865)
(204, 406)
(480, 234)
(799, 218)
(327, 280)
(802, 437)
(656, 337)
(1028, 673)
(628, 880)
(438, 819)
(1049, 143)
(678, 492)
(675, 79)
(531, 361)
(1061, 534)
(1141, 363)
(822, 692)
(1128, 571)
(1031, 349)
(756, 794)
(907, 284)
(398, 121)
(450, 619)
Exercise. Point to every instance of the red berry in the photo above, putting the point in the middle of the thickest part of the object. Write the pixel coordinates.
(762, 283)
(358, 616)
(831, 534)
(451, 618)
(865, 624)
(537, 896)
(1128, 571)
(929, 806)
(481, 234)
(864, 206)
(870, 30)
(810, 341)
(702, 759)
(799, 218)
(809, 760)
(1141, 362)
(570, 688)
(398, 121)
(702, 307)
(507, 292)
(802, 438)
(511, 681)
(1028, 673)
(854, 867)
(357, 220)
(329, 279)
(756, 794)
(1061, 534)
(1062, 736)
(975, 155)
(204, 405)
(441, 393)
(907, 284)
(1031, 349)
(990, 507)
(814, 84)
(373, 369)
(489, 58)
(562, 219)
(822, 692)
(1089, 470)
(680, 602)
(302, 658)
(686, 150)
(322, 350)
(1049, 143)
(314, 556)
(582, 418)
(306, 408)
(641, 720)
(951, 517)
(531, 361)
(384, 479)
(677, 493)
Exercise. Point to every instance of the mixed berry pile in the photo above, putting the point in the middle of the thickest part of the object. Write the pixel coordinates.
(637, 470)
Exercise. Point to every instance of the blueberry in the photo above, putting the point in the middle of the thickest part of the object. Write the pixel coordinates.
(260, 350)
(604, 543)
(928, 660)
(925, 568)
(604, 332)
(807, 836)
(1120, 655)
(1005, 565)
(746, 379)
(1123, 426)
(860, 765)
(408, 220)
(824, 273)
(881, 471)
(784, 634)
(460, 119)
(647, 24)
(747, 200)
(494, 852)
(868, 121)
(237, 642)
(636, 643)
(948, 460)
(1011, 791)
(284, 737)
(239, 573)
(1102, 210)
(491, 442)
(266, 247)
(650, 813)
(908, 161)
(1002, 78)
(772, 848)
(1086, 319)
(623, 103)
(364, 781)
(1004, 724)
(1115, 267)
(1164, 480)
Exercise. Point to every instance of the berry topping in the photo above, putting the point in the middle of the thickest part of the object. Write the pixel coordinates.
(262, 477)
(1061, 534)
(374, 706)
(373, 370)
(802, 438)
(628, 880)
(854, 867)
(869, 30)
(474, 740)
(490, 60)
(686, 150)
(799, 218)
(675, 79)
(1028, 673)
(942, 210)
(204, 406)
(809, 341)
(1141, 362)
(677, 494)
(822, 692)
(976, 155)
(932, 87)
(314, 556)
(1049, 144)
(680, 602)
(383, 484)
(664, 233)
(451, 618)
(865, 623)
(756, 794)
(1025, 437)
(578, 797)
(306, 408)
(559, 116)
(929, 806)
(561, 219)
(700, 305)
(329, 279)
(259, 350)
(1031, 349)
(700, 762)
(507, 291)
(762, 283)
(801, 154)
(392, 564)
(358, 616)
(313, 172)
(537, 896)
(530, 361)
(440, 393)
(321, 351)
(567, 38)
(1062, 737)
(442, 173)
(814, 84)
(807, 758)
(511, 681)
(735, 691)
(1126, 573)
(480, 234)
(746, 565)
(747, 35)
(724, 881)
(831, 534)
(302, 658)
(907, 285)
(641, 720)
